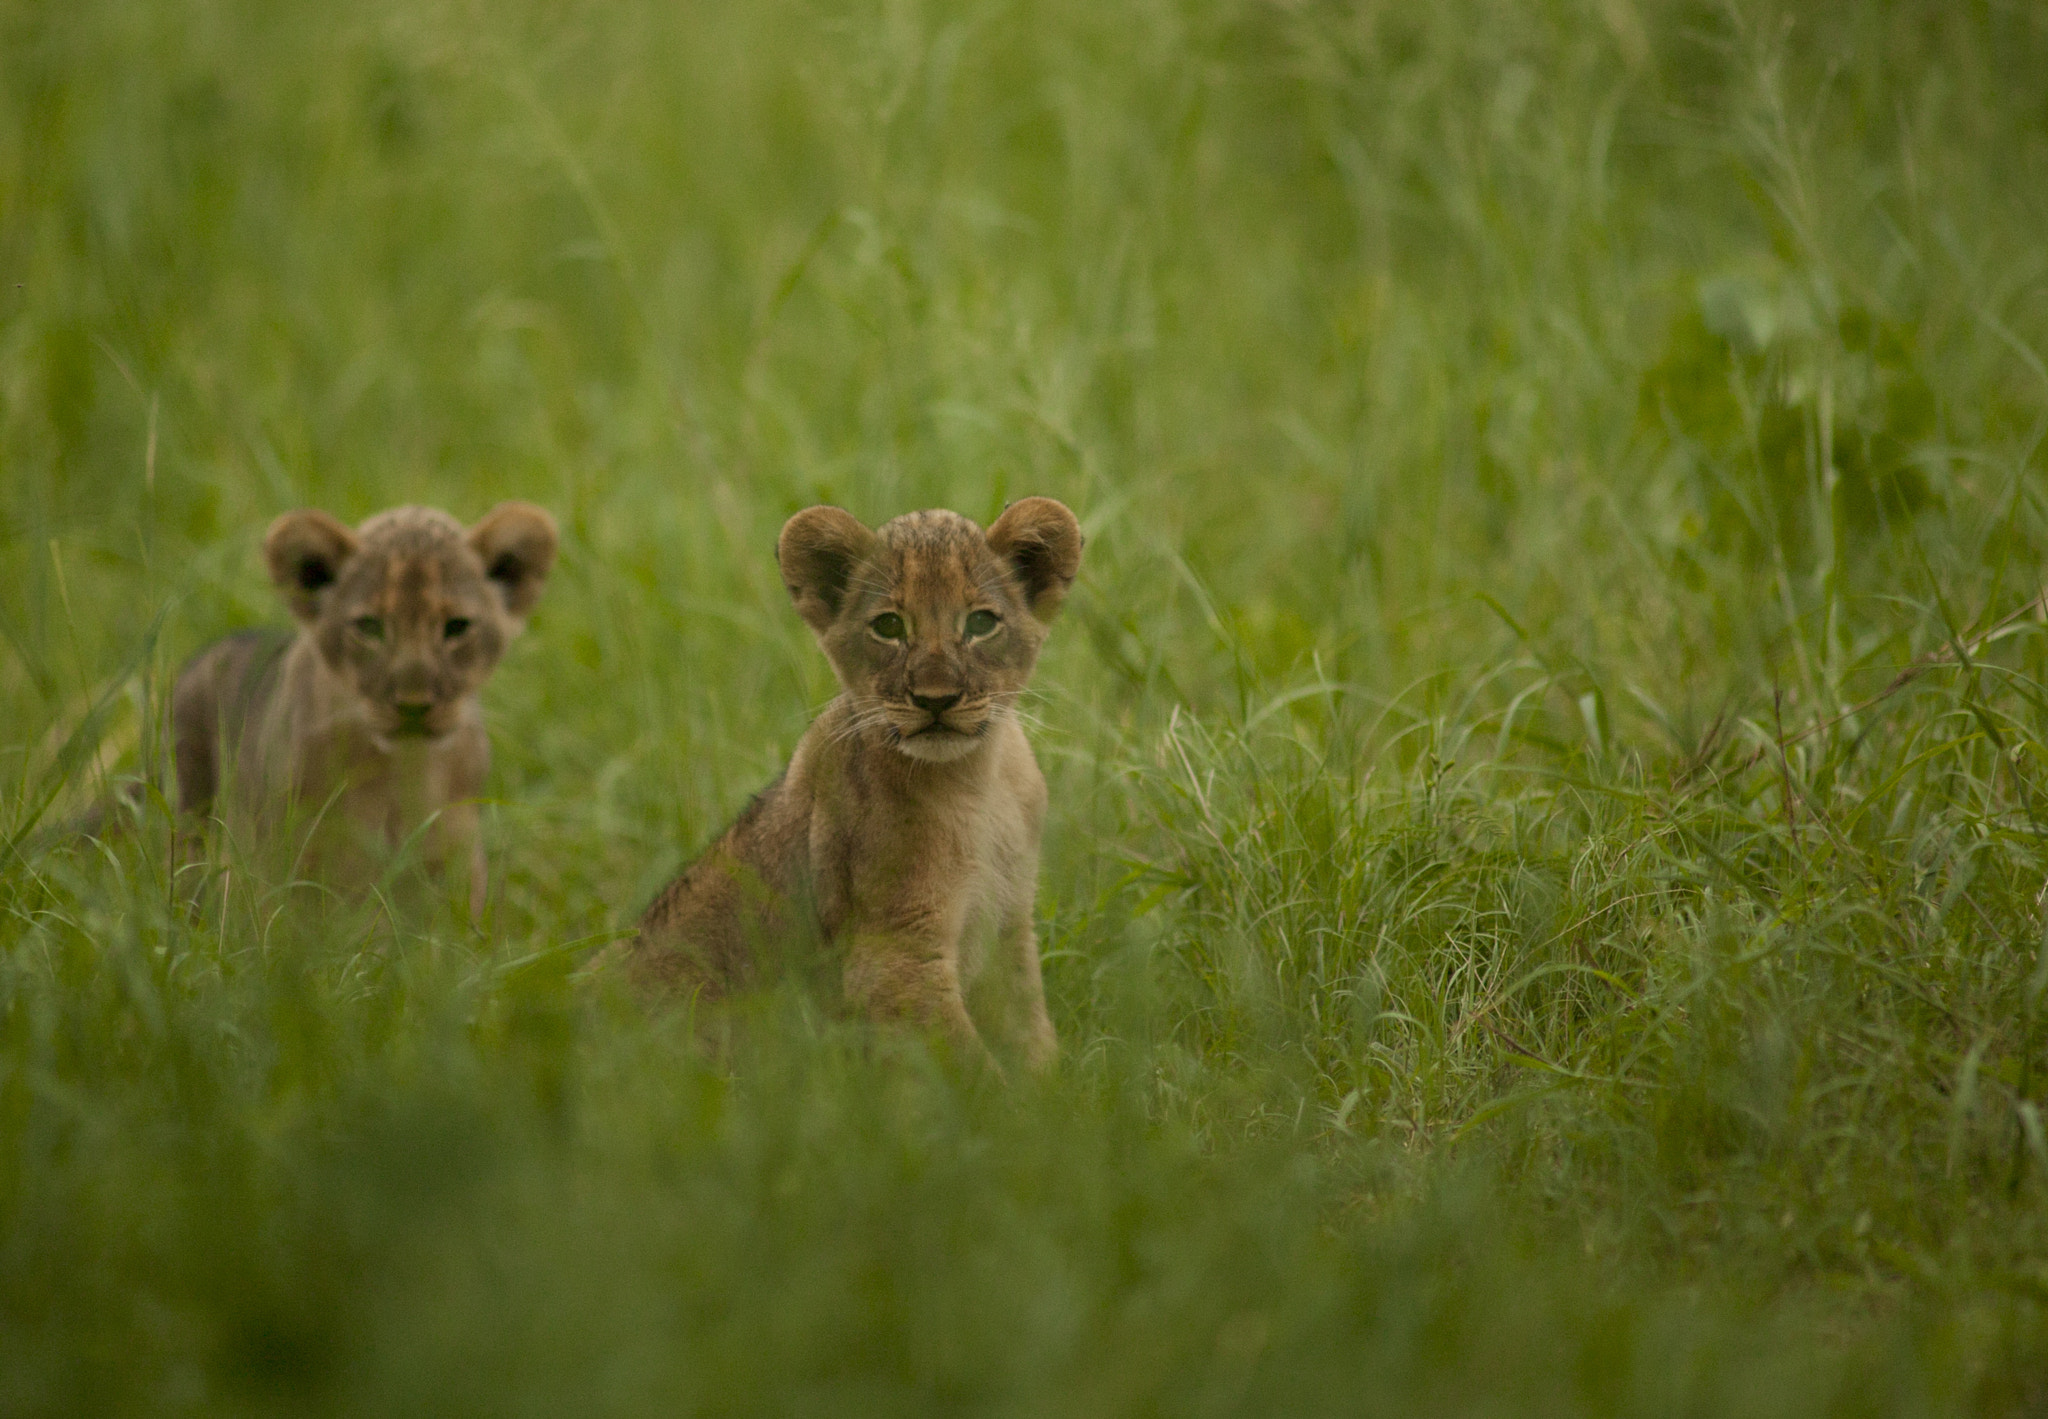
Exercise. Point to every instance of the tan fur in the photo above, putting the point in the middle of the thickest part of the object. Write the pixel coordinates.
(902, 841)
(366, 725)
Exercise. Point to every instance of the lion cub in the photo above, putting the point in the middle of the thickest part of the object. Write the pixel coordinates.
(904, 834)
(366, 722)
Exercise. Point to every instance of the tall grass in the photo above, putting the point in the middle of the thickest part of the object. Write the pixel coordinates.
(1544, 902)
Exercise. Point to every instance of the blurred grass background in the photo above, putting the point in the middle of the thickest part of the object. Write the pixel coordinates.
(1509, 959)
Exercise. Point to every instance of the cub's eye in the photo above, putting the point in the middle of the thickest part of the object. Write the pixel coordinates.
(980, 623)
(456, 626)
(888, 625)
(370, 628)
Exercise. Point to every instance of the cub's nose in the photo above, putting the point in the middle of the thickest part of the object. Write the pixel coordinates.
(935, 704)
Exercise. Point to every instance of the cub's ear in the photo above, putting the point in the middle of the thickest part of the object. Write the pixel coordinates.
(1041, 541)
(516, 543)
(818, 551)
(306, 551)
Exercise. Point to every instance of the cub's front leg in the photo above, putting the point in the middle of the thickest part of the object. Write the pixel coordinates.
(1019, 1007)
(908, 971)
(456, 854)
(1010, 994)
(456, 842)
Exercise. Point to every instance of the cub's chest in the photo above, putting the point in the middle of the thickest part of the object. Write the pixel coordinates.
(392, 786)
(978, 845)
(993, 866)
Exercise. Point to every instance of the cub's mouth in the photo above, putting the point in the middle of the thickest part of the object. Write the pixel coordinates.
(949, 726)
(416, 722)
(941, 737)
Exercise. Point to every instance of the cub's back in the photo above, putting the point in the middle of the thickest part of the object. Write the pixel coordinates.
(220, 694)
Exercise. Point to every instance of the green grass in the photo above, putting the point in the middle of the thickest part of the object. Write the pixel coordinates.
(1512, 954)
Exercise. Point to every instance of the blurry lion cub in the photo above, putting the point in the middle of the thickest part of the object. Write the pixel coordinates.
(367, 721)
(904, 834)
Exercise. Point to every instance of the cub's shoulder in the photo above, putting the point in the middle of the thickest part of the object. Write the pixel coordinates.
(236, 669)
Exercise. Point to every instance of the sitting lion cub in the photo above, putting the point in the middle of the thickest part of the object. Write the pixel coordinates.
(904, 834)
(366, 723)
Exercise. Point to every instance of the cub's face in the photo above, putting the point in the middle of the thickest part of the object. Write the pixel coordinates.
(932, 625)
(411, 610)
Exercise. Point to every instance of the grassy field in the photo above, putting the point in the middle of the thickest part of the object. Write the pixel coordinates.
(1522, 942)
